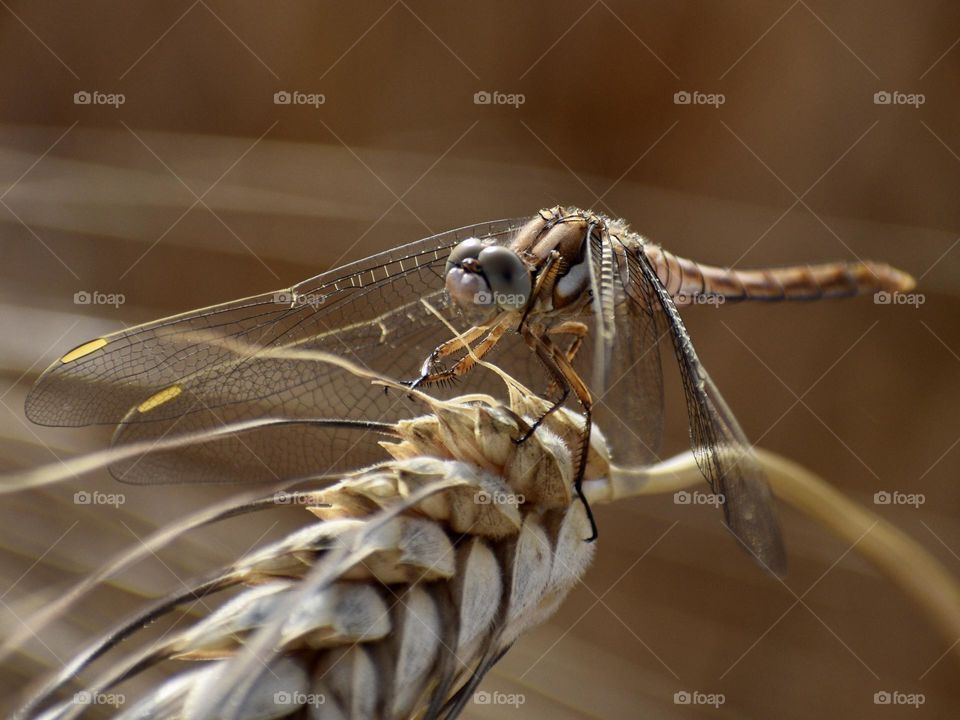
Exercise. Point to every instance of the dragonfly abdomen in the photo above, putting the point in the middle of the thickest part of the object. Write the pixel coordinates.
(690, 282)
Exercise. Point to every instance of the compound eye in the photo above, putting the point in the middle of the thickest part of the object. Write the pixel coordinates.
(507, 276)
(469, 248)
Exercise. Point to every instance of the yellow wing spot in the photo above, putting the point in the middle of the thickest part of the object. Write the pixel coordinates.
(158, 399)
(83, 350)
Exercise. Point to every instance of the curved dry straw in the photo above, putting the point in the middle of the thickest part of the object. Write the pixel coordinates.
(441, 433)
(894, 553)
(427, 571)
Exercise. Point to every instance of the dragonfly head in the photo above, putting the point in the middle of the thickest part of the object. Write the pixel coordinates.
(483, 277)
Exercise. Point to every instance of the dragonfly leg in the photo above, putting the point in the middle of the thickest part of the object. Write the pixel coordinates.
(578, 331)
(556, 384)
(555, 361)
(466, 363)
(448, 347)
(564, 390)
(546, 279)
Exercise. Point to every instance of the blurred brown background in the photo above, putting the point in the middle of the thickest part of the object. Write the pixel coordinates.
(198, 188)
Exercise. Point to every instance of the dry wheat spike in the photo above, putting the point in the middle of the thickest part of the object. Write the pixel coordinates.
(422, 571)
(408, 579)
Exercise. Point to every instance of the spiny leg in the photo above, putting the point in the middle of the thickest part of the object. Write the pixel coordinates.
(556, 363)
(564, 390)
(568, 327)
(546, 279)
(447, 347)
(578, 331)
(574, 328)
(466, 363)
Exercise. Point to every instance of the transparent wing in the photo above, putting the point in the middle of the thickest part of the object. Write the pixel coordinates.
(204, 369)
(627, 379)
(722, 450)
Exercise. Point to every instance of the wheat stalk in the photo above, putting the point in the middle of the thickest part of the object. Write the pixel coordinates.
(421, 573)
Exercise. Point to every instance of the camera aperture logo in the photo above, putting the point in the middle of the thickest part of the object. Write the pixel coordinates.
(483, 497)
(898, 298)
(886, 497)
(695, 97)
(495, 97)
(298, 699)
(95, 297)
(95, 97)
(695, 697)
(685, 497)
(895, 97)
(83, 497)
(298, 97)
(699, 299)
(895, 697)
(508, 300)
(295, 299)
(484, 697)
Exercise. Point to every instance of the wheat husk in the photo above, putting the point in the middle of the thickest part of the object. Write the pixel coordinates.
(408, 580)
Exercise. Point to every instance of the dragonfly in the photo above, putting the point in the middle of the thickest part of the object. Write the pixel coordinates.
(570, 297)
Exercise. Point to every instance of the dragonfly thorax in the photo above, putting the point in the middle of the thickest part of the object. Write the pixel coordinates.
(560, 236)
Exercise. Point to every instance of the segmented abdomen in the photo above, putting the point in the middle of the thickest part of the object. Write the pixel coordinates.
(689, 282)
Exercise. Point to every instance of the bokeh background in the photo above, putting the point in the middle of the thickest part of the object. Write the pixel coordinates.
(199, 188)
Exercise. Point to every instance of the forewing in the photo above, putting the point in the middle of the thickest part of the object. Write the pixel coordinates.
(722, 450)
(205, 369)
(266, 385)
